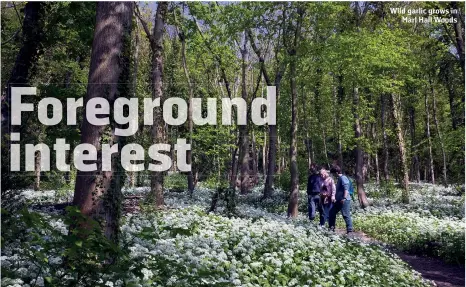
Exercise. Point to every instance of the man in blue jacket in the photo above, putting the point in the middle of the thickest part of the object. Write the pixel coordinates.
(314, 185)
(341, 201)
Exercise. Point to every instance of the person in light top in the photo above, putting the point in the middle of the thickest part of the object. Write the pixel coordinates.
(326, 195)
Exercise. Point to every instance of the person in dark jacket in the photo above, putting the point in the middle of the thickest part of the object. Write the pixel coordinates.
(314, 185)
(341, 201)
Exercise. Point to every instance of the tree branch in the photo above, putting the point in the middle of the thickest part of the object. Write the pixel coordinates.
(260, 56)
(144, 24)
(217, 57)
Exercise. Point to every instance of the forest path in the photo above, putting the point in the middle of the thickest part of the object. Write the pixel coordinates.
(442, 273)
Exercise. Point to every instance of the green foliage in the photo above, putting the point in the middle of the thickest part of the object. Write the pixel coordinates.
(76, 253)
(176, 181)
(415, 234)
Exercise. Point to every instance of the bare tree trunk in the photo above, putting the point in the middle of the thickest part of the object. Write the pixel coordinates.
(158, 134)
(451, 96)
(306, 128)
(234, 167)
(429, 141)
(377, 171)
(243, 129)
(272, 148)
(255, 160)
(98, 193)
(264, 155)
(132, 174)
(294, 192)
(368, 168)
(359, 152)
(182, 37)
(376, 154)
(341, 94)
(415, 170)
(397, 116)
(37, 171)
(439, 134)
(26, 59)
(293, 202)
(385, 139)
(272, 155)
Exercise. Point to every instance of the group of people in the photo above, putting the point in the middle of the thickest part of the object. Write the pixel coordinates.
(329, 198)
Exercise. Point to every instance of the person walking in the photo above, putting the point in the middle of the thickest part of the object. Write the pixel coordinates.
(314, 185)
(341, 200)
(326, 195)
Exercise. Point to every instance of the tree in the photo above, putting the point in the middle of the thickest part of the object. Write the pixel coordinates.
(25, 63)
(98, 193)
(439, 134)
(397, 116)
(359, 153)
(430, 163)
(292, 52)
(182, 36)
(243, 129)
(158, 130)
(275, 32)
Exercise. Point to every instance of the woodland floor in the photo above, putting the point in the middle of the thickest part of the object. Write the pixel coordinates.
(442, 273)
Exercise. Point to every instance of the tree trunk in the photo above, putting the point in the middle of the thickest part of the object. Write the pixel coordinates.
(37, 171)
(255, 159)
(306, 128)
(133, 175)
(385, 139)
(376, 154)
(415, 164)
(294, 192)
(272, 154)
(31, 49)
(341, 95)
(190, 177)
(243, 129)
(439, 134)
(377, 171)
(359, 152)
(264, 155)
(158, 129)
(397, 116)
(429, 141)
(451, 98)
(234, 167)
(97, 193)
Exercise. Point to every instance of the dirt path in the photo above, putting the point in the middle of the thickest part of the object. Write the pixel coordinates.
(443, 274)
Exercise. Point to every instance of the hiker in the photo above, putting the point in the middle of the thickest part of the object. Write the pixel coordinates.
(314, 185)
(341, 200)
(326, 195)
